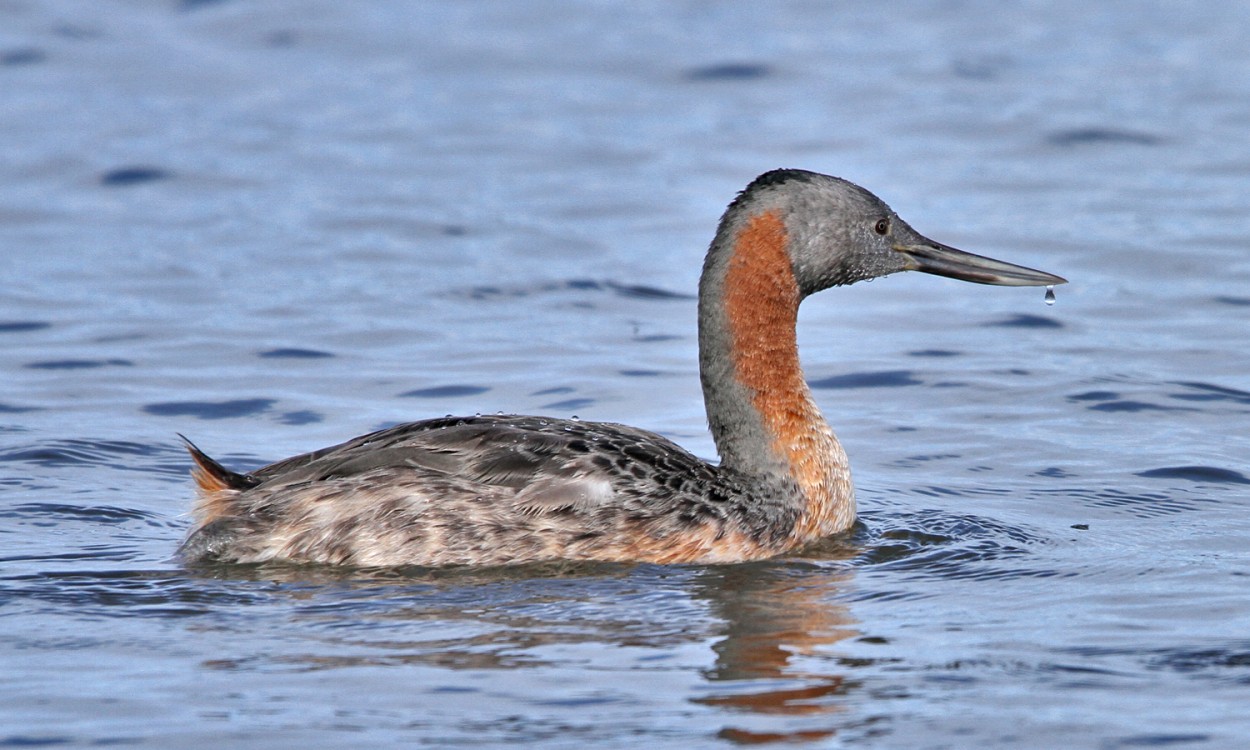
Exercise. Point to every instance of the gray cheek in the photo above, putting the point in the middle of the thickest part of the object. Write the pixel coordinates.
(860, 268)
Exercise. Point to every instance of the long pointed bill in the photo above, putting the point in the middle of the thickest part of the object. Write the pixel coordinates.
(942, 260)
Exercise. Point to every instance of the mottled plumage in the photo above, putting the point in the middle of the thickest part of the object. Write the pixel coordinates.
(515, 489)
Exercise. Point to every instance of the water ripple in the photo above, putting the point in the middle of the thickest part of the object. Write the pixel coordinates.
(1138, 504)
(127, 593)
(1208, 392)
(56, 512)
(1228, 664)
(1101, 135)
(446, 391)
(944, 545)
(631, 291)
(73, 452)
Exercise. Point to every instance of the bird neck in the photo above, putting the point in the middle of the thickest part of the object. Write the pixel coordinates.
(760, 410)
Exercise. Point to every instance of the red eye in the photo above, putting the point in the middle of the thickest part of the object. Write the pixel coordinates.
(883, 226)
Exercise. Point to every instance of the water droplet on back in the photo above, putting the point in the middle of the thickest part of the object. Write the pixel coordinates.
(1050, 295)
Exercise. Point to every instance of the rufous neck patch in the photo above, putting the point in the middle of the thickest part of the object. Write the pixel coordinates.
(761, 307)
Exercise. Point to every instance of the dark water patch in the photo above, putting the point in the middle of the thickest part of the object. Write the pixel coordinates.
(1082, 669)
(567, 404)
(22, 56)
(30, 740)
(244, 407)
(294, 353)
(78, 364)
(446, 391)
(193, 5)
(1134, 407)
(1098, 136)
(934, 353)
(911, 462)
(1204, 474)
(21, 326)
(656, 337)
(1114, 401)
(1236, 301)
(111, 453)
(10, 409)
(638, 291)
(729, 71)
(1095, 396)
(1024, 320)
(632, 291)
(981, 68)
(1157, 740)
(880, 379)
(128, 176)
(1053, 472)
(485, 291)
(302, 416)
(77, 32)
(1208, 392)
(640, 373)
(281, 39)
(553, 391)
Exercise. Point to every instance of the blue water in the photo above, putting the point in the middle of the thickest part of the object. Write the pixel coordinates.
(273, 226)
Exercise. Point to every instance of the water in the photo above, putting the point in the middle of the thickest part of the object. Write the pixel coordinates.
(272, 231)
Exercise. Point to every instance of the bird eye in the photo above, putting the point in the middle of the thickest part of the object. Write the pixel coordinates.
(883, 226)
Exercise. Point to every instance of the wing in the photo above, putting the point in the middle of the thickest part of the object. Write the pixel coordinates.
(549, 465)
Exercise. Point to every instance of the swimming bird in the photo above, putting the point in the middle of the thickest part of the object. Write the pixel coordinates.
(497, 490)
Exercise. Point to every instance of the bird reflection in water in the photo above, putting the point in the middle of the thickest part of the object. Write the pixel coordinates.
(776, 665)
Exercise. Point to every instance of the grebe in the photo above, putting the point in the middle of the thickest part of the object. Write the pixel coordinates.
(497, 490)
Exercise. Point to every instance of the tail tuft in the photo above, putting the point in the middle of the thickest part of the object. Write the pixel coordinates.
(212, 476)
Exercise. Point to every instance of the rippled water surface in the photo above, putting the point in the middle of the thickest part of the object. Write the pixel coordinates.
(272, 226)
